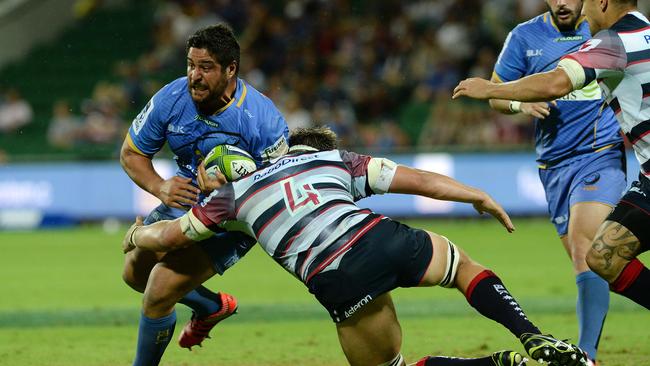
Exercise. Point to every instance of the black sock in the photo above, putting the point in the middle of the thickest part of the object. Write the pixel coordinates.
(487, 294)
(453, 361)
(634, 283)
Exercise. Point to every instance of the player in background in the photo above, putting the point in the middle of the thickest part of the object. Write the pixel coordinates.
(579, 149)
(210, 106)
(302, 211)
(618, 57)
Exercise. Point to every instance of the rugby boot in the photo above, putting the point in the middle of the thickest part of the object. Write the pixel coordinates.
(545, 348)
(508, 358)
(198, 329)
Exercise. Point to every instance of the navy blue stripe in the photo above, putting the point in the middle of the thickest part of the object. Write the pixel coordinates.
(338, 243)
(590, 75)
(322, 237)
(645, 167)
(330, 186)
(282, 246)
(646, 89)
(639, 130)
(279, 175)
(267, 215)
(614, 105)
(643, 55)
(628, 23)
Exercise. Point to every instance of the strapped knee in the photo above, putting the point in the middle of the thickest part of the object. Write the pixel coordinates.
(397, 361)
(453, 258)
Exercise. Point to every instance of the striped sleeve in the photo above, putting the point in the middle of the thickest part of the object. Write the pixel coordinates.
(601, 57)
(216, 208)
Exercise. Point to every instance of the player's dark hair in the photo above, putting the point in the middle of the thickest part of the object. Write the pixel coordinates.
(321, 138)
(220, 42)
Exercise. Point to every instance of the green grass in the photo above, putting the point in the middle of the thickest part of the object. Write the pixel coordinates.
(63, 303)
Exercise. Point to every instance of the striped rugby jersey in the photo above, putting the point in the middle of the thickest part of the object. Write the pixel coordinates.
(619, 59)
(301, 209)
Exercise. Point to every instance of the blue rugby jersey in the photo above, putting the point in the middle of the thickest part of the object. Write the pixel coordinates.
(249, 121)
(581, 123)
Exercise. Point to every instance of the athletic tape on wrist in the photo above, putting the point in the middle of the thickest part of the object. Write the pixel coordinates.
(515, 106)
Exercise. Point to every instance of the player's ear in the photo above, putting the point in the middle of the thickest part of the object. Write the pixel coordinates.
(231, 70)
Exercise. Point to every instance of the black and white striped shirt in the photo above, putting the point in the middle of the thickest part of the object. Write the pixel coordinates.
(619, 59)
(301, 209)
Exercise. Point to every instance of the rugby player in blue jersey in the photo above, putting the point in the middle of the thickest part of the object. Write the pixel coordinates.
(578, 145)
(302, 210)
(209, 107)
(618, 58)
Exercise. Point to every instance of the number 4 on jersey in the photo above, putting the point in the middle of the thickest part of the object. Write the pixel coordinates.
(298, 197)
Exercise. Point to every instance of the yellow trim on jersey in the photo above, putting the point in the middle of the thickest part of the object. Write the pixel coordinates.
(496, 77)
(224, 107)
(604, 148)
(542, 166)
(243, 95)
(129, 141)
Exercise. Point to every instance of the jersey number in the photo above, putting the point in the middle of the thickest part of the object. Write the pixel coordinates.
(299, 197)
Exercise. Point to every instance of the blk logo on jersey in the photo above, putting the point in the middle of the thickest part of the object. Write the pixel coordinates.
(534, 53)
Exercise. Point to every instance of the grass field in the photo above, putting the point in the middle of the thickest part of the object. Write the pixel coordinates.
(62, 303)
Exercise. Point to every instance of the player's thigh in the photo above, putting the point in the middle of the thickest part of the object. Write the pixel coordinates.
(138, 263)
(440, 260)
(624, 234)
(372, 336)
(585, 220)
(596, 188)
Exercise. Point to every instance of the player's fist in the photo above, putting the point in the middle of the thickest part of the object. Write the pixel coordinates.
(209, 182)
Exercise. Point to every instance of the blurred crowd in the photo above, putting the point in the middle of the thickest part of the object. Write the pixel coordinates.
(380, 73)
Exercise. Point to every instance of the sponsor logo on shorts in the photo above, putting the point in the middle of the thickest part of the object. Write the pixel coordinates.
(353, 309)
(637, 190)
(561, 219)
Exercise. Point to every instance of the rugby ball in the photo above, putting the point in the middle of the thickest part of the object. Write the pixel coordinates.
(231, 161)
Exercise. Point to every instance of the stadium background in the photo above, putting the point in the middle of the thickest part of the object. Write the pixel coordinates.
(73, 73)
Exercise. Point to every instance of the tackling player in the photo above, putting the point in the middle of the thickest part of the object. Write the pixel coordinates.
(209, 107)
(301, 210)
(579, 149)
(618, 57)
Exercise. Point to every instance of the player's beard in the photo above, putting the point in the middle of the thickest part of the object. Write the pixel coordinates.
(209, 99)
(566, 20)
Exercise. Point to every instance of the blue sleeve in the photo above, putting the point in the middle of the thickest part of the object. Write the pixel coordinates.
(147, 131)
(272, 140)
(511, 64)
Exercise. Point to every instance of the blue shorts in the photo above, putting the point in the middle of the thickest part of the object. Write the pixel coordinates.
(224, 249)
(595, 177)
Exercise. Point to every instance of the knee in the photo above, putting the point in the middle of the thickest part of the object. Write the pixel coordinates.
(594, 260)
(601, 265)
(130, 277)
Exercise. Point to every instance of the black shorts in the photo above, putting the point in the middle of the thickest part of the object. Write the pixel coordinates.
(388, 256)
(633, 211)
